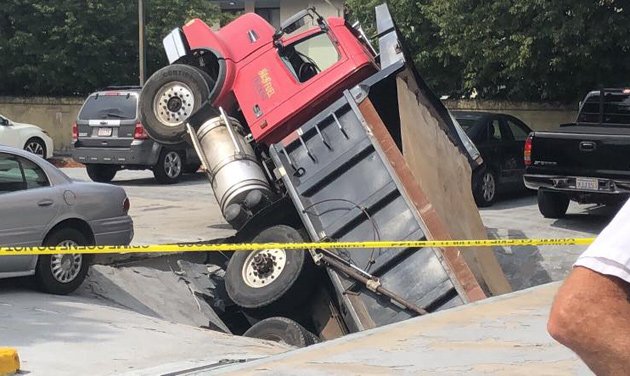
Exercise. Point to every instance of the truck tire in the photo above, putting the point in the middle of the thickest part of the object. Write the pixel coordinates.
(552, 204)
(169, 167)
(101, 173)
(169, 97)
(62, 274)
(271, 280)
(283, 330)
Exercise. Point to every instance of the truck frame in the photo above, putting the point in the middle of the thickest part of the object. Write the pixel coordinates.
(300, 147)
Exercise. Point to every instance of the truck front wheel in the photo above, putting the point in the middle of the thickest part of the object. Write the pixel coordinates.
(169, 97)
(552, 204)
(273, 280)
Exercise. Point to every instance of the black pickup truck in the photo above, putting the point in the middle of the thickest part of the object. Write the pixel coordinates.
(587, 161)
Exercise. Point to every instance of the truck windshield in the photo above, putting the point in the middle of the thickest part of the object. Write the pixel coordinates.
(616, 109)
(109, 107)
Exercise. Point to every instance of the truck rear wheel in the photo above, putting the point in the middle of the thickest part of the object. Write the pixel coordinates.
(169, 97)
(552, 204)
(272, 279)
(284, 330)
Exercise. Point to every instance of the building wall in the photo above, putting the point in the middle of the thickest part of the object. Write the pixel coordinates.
(54, 115)
(539, 116)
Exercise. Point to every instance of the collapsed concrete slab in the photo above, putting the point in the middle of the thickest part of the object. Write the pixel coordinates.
(69, 335)
(500, 335)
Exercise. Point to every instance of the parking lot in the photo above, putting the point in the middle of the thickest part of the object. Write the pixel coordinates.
(188, 212)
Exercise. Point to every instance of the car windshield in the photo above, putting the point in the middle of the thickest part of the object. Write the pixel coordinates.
(109, 107)
(616, 109)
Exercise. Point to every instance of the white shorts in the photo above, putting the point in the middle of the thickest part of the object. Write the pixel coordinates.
(610, 253)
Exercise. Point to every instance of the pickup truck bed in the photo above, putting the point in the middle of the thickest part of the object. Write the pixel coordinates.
(586, 163)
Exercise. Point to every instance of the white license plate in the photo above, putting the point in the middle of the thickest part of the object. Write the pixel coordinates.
(104, 132)
(585, 183)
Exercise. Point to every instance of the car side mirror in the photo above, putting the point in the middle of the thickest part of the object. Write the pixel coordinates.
(4, 121)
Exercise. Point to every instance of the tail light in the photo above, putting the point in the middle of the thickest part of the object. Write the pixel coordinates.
(126, 205)
(75, 132)
(139, 133)
(527, 152)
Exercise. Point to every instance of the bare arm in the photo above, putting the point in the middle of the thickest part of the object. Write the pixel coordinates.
(591, 316)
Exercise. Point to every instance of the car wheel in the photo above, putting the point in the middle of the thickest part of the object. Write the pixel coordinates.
(36, 146)
(485, 189)
(101, 173)
(270, 280)
(169, 97)
(552, 204)
(63, 273)
(191, 168)
(284, 330)
(169, 167)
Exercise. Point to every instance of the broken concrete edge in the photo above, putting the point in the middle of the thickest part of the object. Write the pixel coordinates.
(9, 361)
(321, 353)
(123, 259)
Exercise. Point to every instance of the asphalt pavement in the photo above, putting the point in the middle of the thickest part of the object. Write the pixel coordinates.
(51, 330)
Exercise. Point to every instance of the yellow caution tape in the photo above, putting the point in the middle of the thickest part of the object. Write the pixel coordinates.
(225, 247)
(9, 361)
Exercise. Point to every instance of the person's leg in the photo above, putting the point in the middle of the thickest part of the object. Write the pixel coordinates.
(591, 316)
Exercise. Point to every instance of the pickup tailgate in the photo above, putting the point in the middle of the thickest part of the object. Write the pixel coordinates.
(590, 151)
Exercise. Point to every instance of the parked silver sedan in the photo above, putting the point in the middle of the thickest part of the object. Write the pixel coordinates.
(40, 205)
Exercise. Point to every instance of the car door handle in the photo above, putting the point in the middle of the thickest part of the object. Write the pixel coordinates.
(45, 202)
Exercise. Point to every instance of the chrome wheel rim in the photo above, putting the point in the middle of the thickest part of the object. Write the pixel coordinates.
(66, 267)
(261, 268)
(173, 103)
(172, 164)
(488, 187)
(35, 148)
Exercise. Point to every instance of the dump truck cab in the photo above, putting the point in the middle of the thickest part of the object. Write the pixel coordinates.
(277, 78)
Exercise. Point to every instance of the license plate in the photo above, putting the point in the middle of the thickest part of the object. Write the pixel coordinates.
(586, 183)
(104, 132)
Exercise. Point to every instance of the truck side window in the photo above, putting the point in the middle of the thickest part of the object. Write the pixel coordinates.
(310, 56)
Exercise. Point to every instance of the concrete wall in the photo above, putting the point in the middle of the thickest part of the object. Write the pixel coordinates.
(539, 116)
(54, 115)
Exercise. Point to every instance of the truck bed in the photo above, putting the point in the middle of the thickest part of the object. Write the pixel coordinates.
(582, 151)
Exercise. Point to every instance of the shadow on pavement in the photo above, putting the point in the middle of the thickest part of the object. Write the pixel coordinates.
(523, 265)
(185, 180)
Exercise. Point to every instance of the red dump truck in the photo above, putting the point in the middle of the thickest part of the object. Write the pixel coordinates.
(300, 132)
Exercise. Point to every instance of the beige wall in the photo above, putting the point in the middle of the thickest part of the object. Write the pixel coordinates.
(54, 115)
(539, 116)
